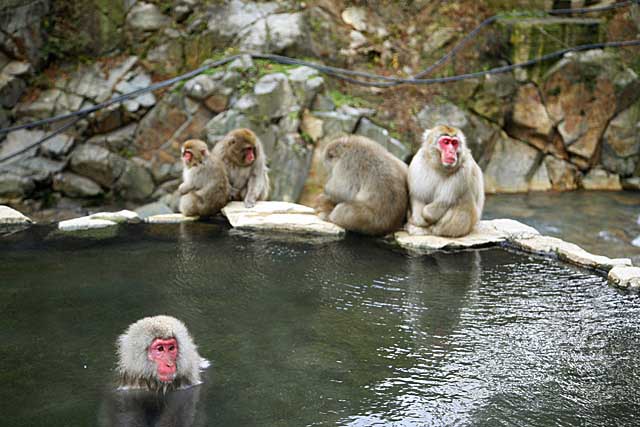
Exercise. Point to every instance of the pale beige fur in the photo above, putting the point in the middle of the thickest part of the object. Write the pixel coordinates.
(248, 182)
(366, 191)
(205, 186)
(446, 200)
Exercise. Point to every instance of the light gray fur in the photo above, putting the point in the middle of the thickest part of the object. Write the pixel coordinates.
(137, 372)
(446, 200)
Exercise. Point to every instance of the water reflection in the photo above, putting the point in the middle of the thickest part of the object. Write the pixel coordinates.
(339, 333)
(602, 222)
(142, 409)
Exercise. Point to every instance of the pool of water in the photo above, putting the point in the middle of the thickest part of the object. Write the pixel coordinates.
(602, 222)
(349, 333)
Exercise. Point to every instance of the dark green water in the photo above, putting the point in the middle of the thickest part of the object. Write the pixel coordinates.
(344, 333)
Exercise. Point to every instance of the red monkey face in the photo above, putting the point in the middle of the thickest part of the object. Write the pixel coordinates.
(249, 155)
(448, 146)
(164, 352)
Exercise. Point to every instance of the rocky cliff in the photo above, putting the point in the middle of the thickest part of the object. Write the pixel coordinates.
(561, 125)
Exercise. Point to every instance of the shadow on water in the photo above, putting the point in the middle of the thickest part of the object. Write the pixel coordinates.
(333, 333)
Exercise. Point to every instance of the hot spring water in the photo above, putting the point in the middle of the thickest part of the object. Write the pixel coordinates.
(339, 333)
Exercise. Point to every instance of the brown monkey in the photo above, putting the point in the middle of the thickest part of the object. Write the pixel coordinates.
(157, 353)
(205, 187)
(366, 191)
(246, 165)
(446, 187)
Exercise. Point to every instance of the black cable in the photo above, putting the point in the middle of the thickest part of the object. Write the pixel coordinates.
(43, 140)
(333, 71)
(341, 73)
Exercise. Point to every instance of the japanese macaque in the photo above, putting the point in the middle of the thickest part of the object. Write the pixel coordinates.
(446, 187)
(205, 187)
(246, 165)
(366, 191)
(157, 353)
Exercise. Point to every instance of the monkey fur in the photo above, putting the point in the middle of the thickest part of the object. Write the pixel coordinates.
(366, 191)
(135, 369)
(205, 187)
(246, 166)
(446, 187)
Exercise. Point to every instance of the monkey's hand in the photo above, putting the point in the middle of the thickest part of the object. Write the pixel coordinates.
(184, 188)
(432, 212)
(249, 202)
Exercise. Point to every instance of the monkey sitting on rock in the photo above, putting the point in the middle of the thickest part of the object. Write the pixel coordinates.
(366, 191)
(205, 186)
(446, 186)
(158, 354)
(246, 165)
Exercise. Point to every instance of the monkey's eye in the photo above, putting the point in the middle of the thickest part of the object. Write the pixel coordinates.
(171, 348)
(160, 348)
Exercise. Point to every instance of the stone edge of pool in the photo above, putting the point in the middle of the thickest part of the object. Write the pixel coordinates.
(294, 218)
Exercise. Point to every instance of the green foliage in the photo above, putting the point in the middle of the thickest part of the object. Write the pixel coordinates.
(265, 67)
(340, 99)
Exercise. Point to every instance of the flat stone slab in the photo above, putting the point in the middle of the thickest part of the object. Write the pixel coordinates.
(10, 216)
(266, 208)
(569, 252)
(84, 223)
(120, 217)
(281, 217)
(174, 218)
(625, 277)
(290, 223)
(485, 233)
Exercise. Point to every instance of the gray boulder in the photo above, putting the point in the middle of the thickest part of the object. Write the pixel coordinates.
(135, 183)
(11, 88)
(58, 146)
(274, 96)
(621, 142)
(306, 83)
(275, 33)
(228, 18)
(146, 17)
(73, 185)
(15, 186)
(511, 164)
(97, 163)
(381, 135)
(288, 167)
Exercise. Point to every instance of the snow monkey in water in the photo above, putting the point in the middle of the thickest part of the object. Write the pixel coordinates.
(366, 191)
(446, 186)
(157, 353)
(205, 187)
(246, 165)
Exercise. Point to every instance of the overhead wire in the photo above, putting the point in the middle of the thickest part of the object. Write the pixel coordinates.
(350, 76)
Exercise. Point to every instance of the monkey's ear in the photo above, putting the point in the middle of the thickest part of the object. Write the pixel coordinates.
(425, 135)
(203, 151)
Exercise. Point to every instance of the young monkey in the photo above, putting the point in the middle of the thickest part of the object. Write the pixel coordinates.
(205, 187)
(246, 166)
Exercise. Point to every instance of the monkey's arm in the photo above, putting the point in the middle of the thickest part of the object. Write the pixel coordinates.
(255, 186)
(415, 216)
(432, 212)
(185, 188)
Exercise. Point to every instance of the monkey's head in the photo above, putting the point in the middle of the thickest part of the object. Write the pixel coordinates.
(333, 151)
(241, 146)
(157, 353)
(194, 152)
(446, 145)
